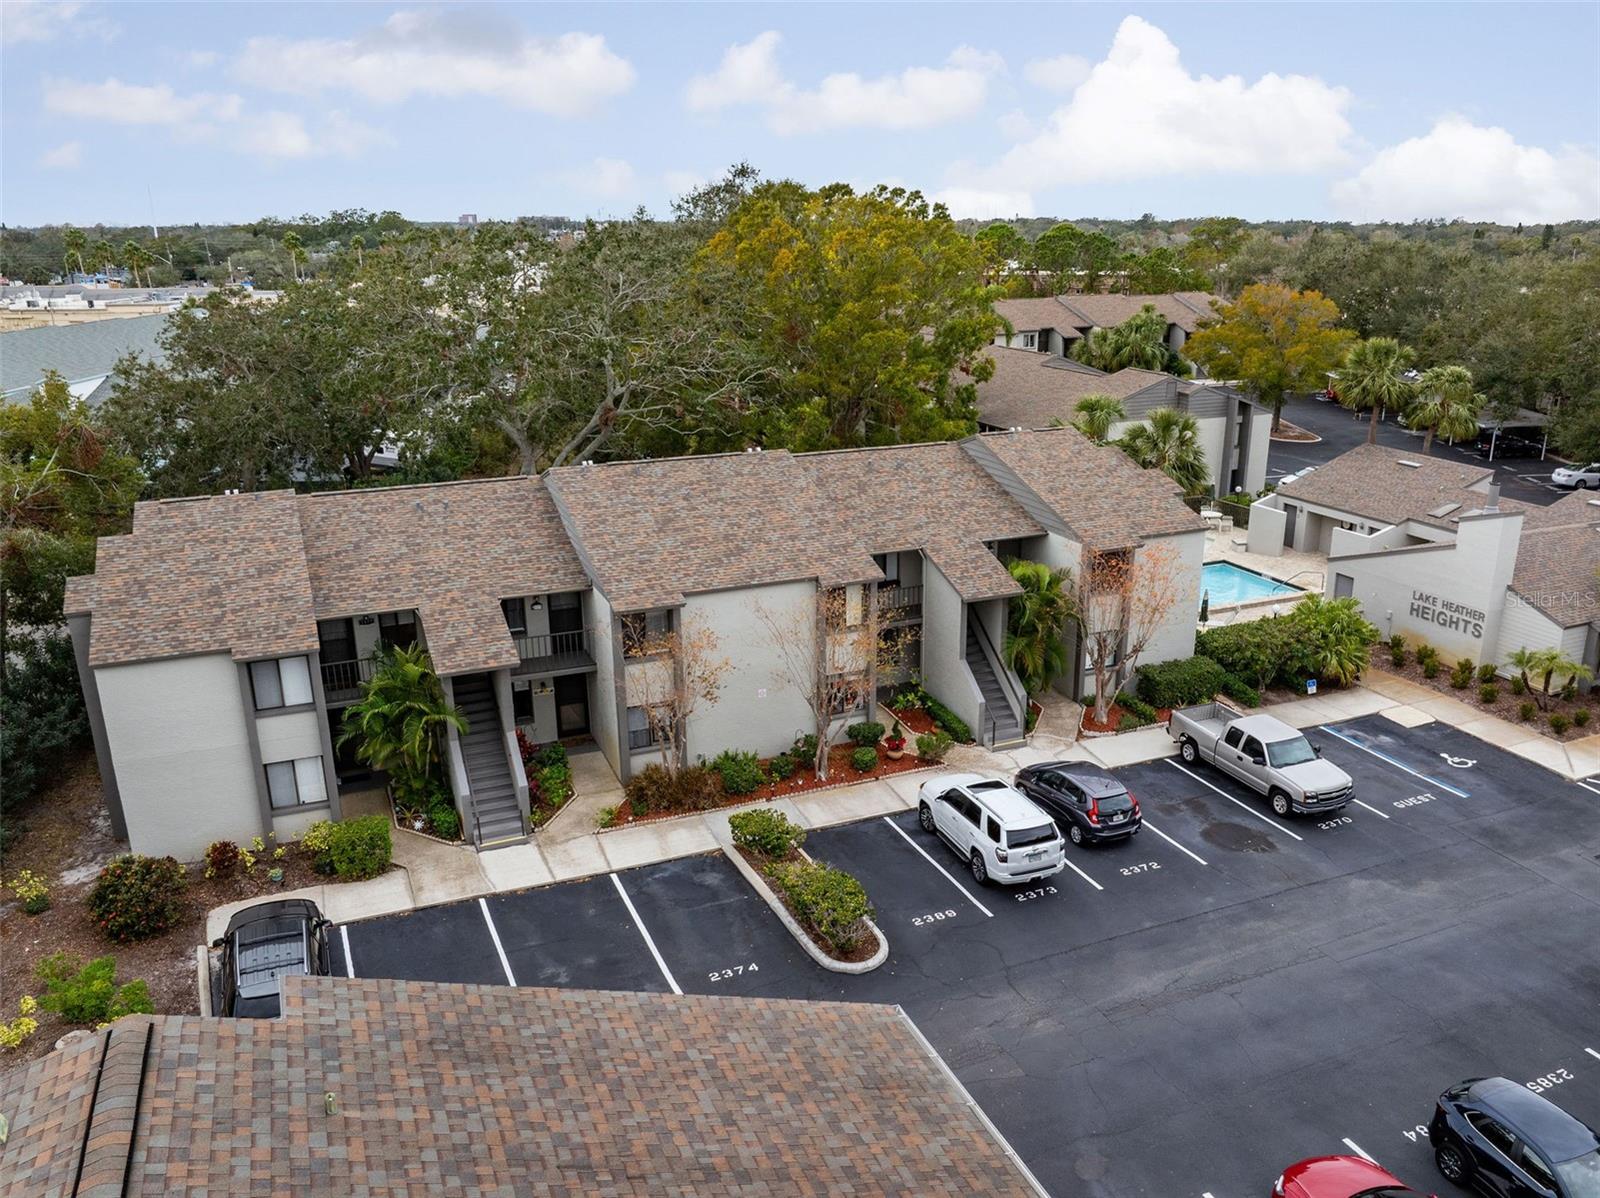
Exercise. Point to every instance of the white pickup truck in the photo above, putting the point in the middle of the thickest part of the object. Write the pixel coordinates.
(1265, 754)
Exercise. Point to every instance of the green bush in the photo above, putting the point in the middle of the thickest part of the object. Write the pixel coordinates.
(830, 903)
(867, 733)
(1559, 723)
(606, 817)
(1487, 671)
(554, 753)
(932, 746)
(1489, 692)
(740, 771)
(1138, 708)
(222, 858)
(1240, 691)
(1462, 673)
(1427, 653)
(948, 720)
(1180, 683)
(554, 781)
(1518, 686)
(781, 767)
(360, 848)
(446, 821)
(655, 791)
(766, 832)
(864, 758)
(910, 696)
(136, 897)
(1128, 722)
(89, 993)
(1526, 711)
(1430, 668)
(1581, 717)
(1255, 651)
(805, 750)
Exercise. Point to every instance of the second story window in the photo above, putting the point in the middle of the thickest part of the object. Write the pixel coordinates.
(1030, 341)
(285, 682)
(516, 615)
(643, 632)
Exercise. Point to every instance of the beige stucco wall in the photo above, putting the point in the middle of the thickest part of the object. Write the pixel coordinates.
(178, 736)
(1255, 478)
(944, 639)
(1175, 638)
(287, 737)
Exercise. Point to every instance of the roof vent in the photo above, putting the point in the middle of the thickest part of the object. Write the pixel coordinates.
(1407, 462)
(417, 503)
(1444, 509)
(1594, 503)
(1493, 504)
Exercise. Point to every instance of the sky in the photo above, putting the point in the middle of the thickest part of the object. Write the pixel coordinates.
(222, 112)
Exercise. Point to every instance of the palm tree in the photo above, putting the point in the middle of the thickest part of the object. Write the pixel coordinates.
(1096, 416)
(1037, 624)
(1546, 665)
(398, 723)
(297, 252)
(1373, 379)
(74, 241)
(1169, 441)
(1445, 405)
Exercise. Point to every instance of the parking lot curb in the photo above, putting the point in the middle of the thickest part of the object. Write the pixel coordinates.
(759, 883)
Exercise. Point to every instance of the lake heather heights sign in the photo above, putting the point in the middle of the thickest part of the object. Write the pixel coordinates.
(1456, 617)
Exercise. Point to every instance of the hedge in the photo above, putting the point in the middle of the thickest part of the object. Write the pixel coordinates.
(360, 848)
(948, 720)
(1180, 683)
(767, 832)
(829, 902)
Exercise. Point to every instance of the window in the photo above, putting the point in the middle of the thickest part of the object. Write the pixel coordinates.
(642, 631)
(521, 702)
(991, 829)
(641, 729)
(1030, 340)
(1251, 748)
(296, 783)
(846, 693)
(397, 629)
(844, 607)
(338, 638)
(1495, 1133)
(285, 682)
(1537, 1169)
(516, 618)
(968, 808)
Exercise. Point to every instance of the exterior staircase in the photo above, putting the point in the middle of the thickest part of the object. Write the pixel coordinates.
(1005, 731)
(494, 815)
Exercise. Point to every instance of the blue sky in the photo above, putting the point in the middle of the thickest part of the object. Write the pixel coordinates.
(228, 112)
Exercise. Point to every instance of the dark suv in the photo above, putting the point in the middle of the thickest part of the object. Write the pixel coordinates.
(262, 945)
(1508, 1141)
(1086, 802)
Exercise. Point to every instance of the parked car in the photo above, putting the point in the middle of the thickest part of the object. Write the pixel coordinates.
(1087, 803)
(1509, 445)
(1265, 754)
(1340, 1177)
(1580, 478)
(263, 945)
(1506, 1140)
(996, 830)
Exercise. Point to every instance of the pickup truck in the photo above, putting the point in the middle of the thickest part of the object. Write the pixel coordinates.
(1265, 754)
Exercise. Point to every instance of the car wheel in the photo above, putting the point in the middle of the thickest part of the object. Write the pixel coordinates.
(1453, 1162)
(1075, 834)
(1280, 803)
(1581, 485)
(925, 817)
(1189, 751)
(980, 874)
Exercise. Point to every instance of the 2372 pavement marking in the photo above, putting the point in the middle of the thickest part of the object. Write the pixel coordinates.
(1173, 842)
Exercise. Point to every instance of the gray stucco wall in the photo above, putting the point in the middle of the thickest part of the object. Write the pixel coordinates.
(1256, 451)
(177, 731)
(603, 696)
(1175, 639)
(78, 627)
(944, 638)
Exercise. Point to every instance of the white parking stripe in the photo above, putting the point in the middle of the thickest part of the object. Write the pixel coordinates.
(1591, 789)
(1593, 1053)
(1460, 794)
(1082, 875)
(1173, 842)
(938, 867)
(494, 934)
(1234, 801)
(1374, 810)
(1358, 1150)
(645, 932)
(349, 961)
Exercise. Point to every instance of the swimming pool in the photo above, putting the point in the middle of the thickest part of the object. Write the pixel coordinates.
(1228, 584)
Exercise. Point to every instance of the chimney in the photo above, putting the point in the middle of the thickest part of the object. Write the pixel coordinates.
(1492, 504)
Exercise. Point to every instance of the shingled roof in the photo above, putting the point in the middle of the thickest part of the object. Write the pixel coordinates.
(1047, 312)
(1184, 309)
(446, 1089)
(1390, 486)
(1030, 390)
(1557, 558)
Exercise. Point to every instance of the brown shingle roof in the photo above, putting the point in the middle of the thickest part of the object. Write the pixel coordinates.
(78, 597)
(1104, 311)
(1030, 390)
(1557, 558)
(1047, 312)
(444, 1089)
(655, 531)
(1370, 481)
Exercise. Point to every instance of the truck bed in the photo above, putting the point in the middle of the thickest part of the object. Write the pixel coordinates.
(1205, 722)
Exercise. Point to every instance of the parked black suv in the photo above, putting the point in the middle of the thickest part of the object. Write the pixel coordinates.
(1086, 802)
(1508, 1141)
(262, 945)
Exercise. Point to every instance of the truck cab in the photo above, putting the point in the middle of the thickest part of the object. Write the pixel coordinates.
(1265, 754)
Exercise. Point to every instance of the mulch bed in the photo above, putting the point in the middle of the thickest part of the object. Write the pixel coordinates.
(863, 951)
(915, 720)
(1506, 706)
(1114, 718)
(1293, 432)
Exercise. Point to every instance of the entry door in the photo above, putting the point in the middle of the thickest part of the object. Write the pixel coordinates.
(572, 705)
(1290, 514)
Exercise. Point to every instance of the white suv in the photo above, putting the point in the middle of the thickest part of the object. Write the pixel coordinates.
(998, 832)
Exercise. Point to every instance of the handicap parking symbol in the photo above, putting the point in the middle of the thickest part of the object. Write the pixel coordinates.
(1461, 763)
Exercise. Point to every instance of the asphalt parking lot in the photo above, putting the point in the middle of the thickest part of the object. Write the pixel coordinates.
(1183, 1013)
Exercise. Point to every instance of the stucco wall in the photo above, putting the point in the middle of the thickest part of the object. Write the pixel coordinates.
(1175, 639)
(178, 735)
(944, 639)
(603, 698)
(1523, 626)
(286, 737)
(1256, 452)
(1213, 431)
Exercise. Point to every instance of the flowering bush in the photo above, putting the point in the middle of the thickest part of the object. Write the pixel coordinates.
(136, 897)
(222, 858)
(31, 891)
(12, 1034)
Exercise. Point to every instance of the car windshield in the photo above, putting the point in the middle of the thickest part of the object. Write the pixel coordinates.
(1580, 1177)
(1018, 838)
(1290, 752)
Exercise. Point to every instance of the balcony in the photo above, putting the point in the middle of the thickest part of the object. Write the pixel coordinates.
(341, 680)
(900, 605)
(556, 652)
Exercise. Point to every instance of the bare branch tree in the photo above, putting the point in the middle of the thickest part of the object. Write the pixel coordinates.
(1124, 598)
(678, 673)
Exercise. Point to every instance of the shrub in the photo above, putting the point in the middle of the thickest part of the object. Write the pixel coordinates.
(606, 817)
(136, 897)
(554, 781)
(315, 840)
(805, 750)
(1462, 673)
(766, 832)
(89, 993)
(932, 746)
(32, 891)
(554, 753)
(653, 790)
(1559, 723)
(1518, 686)
(1138, 708)
(1180, 683)
(1487, 671)
(740, 771)
(1489, 692)
(829, 902)
(1427, 653)
(15, 1031)
(1255, 650)
(1128, 722)
(1430, 668)
(446, 821)
(649, 790)
(864, 758)
(781, 767)
(1581, 717)
(948, 720)
(1240, 691)
(867, 733)
(222, 858)
(1526, 711)
(360, 848)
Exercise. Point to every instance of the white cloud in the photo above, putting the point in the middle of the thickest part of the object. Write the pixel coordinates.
(64, 157)
(977, 204)
(201, 58)
(280, 134)
(1141, 114)
(45, 20)
(916, 98)
(1015, 125)
(1475, 172)
(451, 54)
(136, 104)
(1062, 73)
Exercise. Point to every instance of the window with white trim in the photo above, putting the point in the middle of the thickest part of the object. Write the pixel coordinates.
(296, 783)
(1030, 340)
(284, 682)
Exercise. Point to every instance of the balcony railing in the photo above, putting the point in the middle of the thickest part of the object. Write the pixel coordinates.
(342, 680)
(902, 603)
(556, 650)
(642, 738)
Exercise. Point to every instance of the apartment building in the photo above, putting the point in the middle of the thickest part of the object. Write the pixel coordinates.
(1050, 324)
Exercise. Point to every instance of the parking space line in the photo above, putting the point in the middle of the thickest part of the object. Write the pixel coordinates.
(937, 866)
(1359, 1151)
(1234, 801)
(349, 961)
(1081, 874)
(1173, 842)
(643, 931)
(1374, 810)
(1593, 1053)
(1460, 794)
(494, 934)
(1584, 782)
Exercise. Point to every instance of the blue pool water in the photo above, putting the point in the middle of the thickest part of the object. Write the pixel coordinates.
(1227, 584)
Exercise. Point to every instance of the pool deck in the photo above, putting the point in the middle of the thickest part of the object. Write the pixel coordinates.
(1294, 568)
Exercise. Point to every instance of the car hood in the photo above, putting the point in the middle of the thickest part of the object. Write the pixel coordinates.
(1316, 776)
(1334, 1177)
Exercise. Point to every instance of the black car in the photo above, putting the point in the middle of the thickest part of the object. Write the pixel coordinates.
(1087, 803)
(1506, 1140)
(263, 945)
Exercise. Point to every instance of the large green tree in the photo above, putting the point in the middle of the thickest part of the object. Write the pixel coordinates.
(1372, 380)
(1037, 624)
(1446, 404)
(1169, 441)
(1078, 258)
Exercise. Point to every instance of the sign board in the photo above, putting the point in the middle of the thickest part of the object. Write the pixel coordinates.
(1311, 686)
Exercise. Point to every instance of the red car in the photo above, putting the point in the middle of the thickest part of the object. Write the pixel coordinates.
(1340, 1177)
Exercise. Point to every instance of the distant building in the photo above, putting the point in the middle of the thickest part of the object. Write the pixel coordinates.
(84, 354)
(467, 220)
